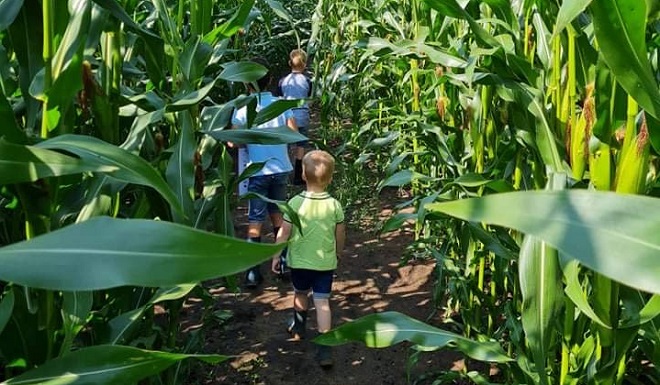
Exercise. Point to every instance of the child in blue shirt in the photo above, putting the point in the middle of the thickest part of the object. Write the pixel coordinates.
(297, 85)
(271, 181)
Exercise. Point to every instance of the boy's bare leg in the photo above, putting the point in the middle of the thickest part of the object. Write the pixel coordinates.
(324, 321)
(300, 302)
(254, 230)
(323, 314)
(298, 325)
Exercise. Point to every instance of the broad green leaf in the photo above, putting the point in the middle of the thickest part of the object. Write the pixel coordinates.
(410, 48)
(650, 311)
(19, 163)
(397, 221)
(403, 178)
(216, 117)
(127, 166)
(620, 28)
(8, 11)
(279, 10)
(569, 10)
(595, 228)
(540, 285)
(574, 291)
(452, 9)
(103, 252)
(105, 364)
(231, 26)
(190, 99)
(278, 135)
(180, 172)
(76, 307)
(545, 138)
(6, 308)
(491, 242)
(276, 109)
(242, 72)
(385, 329)
(195, 58)
(121, 324)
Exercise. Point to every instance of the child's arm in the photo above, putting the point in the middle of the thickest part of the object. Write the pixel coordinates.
(340, 237)
(291, 123)
(282, 236)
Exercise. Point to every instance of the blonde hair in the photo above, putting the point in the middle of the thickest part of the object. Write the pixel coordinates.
(298, 59)
(318, 167)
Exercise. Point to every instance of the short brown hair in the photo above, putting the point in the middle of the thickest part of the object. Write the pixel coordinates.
(318, 166)
(298, 59)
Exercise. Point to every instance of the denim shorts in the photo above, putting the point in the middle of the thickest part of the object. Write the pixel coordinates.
(271, 186)
(319, 281)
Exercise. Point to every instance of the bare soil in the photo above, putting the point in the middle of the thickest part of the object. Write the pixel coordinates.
(369, 279)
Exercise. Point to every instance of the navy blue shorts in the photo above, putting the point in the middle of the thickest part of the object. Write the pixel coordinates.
(320, 282)
(270, 186)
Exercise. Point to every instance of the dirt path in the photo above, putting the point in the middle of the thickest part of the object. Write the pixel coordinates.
(369, 279)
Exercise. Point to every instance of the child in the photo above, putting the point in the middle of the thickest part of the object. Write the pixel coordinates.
(271, 181)
(313, 255)
(297, 85)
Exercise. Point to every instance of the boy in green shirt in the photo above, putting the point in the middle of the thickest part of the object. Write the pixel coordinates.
(312, 256)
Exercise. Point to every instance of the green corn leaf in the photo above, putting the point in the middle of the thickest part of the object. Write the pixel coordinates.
(390, 328)
(649, 312)
(595, 228)
(397, 221)
(540, 286)
(195, 58)
(102, 253)
(180, 172)
(76, 307)
(6, 308)
(402, 178)
(620, 28)
(541, 289)
(122, 324)
(8, 11)
(231, 26)
(574, 291)
(279, 10)
(276, 109)
(277, 135)
(127, 166)
(190, 99)
(105, 364)
(452, 9)
(244, 72)
(20, 164)
(568, 11)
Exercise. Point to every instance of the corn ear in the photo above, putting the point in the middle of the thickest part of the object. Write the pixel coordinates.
(633, 165)
(600, 164)
(578, 145)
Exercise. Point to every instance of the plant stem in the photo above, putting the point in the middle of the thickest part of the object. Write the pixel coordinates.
(48, 53)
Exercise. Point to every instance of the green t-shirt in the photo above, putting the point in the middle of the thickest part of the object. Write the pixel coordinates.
(319, 215)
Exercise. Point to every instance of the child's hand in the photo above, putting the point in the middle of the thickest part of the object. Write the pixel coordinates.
(275, 265)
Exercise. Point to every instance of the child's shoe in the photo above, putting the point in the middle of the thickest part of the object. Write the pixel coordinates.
(324, 356)
(253, 277)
